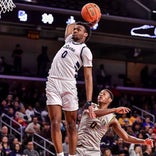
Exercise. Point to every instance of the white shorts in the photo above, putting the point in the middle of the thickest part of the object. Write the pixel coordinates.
(63, 93)
(82, 151)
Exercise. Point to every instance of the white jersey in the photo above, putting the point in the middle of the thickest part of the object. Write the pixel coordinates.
(69, 59)
(91, 130)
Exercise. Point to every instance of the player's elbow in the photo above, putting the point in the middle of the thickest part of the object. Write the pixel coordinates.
(125, 138)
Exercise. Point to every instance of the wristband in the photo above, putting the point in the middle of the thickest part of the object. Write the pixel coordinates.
(87, 104)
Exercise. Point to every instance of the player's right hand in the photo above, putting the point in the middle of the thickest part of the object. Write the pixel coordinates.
(148, 142)
(91, 24)
(122, 110)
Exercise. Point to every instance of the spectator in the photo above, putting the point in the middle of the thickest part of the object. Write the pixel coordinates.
(33, 127)
(102, 78)
(4, 107)
(29, 113)
(129, 130)
(9, 99)
(119, 146)
(154, 128)
(5, 132)
(108, 139)
(46, 131)
(42, 62)
(106, 152)
(17, 150)
(6, 145)
(17, 98)
(15, 141)
(135, 150)
(30, 151)
(22, 123)
(22, 113)
(132, 118)
(124, 120)
(16, 106)
(148, 122)
(10, 114)
(44, 115)
(137, 125)
(122, 153)
(17, 59)
(37, 110)
(148, 151)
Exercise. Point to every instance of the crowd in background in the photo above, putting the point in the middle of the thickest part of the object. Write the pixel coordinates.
(26, 105)
(43, 62)
(28, 108)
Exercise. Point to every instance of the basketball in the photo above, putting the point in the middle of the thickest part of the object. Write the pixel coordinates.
(91, 12)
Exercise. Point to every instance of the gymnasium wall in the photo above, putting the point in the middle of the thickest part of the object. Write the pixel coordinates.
(32, 48)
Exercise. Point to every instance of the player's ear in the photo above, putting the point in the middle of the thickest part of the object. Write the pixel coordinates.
(110, 100)
(85, 34)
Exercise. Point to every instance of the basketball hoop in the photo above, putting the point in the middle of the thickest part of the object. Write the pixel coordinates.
(6, 6)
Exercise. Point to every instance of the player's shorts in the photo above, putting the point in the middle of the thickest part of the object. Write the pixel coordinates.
(62, 92)
(82, 151)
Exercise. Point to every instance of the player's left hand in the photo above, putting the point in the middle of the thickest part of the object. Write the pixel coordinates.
(122, 110)
(91, 112)
(148, 142)
(89, 109)
(91, 24)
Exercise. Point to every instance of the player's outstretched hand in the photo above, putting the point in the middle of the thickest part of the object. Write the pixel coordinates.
(122, 110)
(148, 142)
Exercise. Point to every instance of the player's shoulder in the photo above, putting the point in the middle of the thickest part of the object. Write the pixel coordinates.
(86, 49)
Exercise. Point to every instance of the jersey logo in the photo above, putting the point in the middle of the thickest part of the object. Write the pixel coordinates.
(70, 48)
(93, 124)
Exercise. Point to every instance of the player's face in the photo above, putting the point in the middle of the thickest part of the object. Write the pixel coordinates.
(79, 33)
(104, 97)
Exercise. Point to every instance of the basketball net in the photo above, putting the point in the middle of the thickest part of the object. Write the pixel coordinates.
(6, 6)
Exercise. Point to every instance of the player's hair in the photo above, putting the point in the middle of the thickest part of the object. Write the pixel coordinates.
(110, 93)
(87, 28)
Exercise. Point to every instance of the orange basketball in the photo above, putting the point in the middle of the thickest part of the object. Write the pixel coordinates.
(91, 12)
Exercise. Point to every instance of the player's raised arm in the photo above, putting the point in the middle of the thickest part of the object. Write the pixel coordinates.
(69, 29)
(119, 110)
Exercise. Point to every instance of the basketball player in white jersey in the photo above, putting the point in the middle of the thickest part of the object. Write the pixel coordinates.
(61, 88)
(91, 130)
